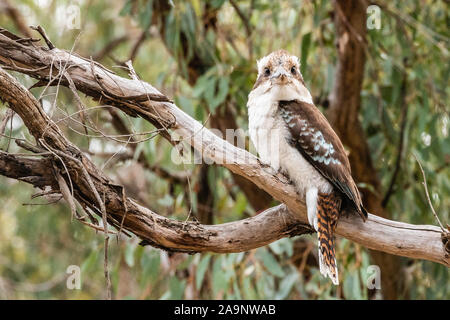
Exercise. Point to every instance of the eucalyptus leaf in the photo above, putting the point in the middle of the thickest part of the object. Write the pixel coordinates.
(271, 263)
(201, 270)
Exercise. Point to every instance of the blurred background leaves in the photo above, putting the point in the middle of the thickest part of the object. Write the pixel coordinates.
(203, 54)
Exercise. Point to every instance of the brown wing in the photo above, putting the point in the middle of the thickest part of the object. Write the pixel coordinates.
(313, 136)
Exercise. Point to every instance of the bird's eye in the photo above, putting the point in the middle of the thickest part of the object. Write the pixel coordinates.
(267, 72)
(293, 70)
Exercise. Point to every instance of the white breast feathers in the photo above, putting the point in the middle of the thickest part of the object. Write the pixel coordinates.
(270, 135)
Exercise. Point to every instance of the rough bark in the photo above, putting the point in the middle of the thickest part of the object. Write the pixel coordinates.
(141, 99)
(343, 113)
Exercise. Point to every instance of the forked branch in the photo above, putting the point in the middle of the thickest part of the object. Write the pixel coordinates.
(138, 98)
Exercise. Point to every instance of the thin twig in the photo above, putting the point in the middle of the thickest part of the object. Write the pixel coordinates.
(417, 242)
(110, 47)
(44, 36)
(65, 191)
(101, 204)
(83, 115)
(138, 44)
(96, 228)
(428, 195)
(246, 22)
(105, 264)
(8, 115)
(10, 131)
(403, 121)
(94, 128)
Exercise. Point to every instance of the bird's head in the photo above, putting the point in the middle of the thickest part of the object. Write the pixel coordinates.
(279, 75)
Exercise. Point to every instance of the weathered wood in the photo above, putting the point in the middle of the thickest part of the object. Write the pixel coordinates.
(420, 242)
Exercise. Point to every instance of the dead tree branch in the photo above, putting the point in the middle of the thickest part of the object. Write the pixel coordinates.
(138, 98)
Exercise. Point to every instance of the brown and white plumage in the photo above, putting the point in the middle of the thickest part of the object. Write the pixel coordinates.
(293, 136)
(312, 135)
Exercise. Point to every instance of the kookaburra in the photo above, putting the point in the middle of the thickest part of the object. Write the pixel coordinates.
(293, 136)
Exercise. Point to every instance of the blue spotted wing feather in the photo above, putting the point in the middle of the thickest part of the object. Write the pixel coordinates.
(313, 136)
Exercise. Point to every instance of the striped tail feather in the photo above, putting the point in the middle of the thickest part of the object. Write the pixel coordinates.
(328, 207)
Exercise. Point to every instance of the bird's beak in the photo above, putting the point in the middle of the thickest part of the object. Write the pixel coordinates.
(280, 75)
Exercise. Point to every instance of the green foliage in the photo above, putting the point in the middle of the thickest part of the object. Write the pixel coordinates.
(39, 242)
(213, 88)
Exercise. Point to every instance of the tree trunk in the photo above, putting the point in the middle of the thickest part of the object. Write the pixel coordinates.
(345, 102)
